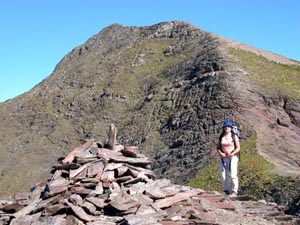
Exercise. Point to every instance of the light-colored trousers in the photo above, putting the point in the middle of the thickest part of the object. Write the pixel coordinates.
(229, 166)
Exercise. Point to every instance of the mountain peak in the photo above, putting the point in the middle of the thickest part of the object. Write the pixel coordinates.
(167, 87)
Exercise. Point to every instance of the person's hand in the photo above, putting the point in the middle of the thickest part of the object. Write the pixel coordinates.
(231, 155)
(223, 155)
(228, 155)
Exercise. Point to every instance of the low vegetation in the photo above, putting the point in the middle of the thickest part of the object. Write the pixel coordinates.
(255, 174)
(147, 89)
(272, 76)
(254, 171)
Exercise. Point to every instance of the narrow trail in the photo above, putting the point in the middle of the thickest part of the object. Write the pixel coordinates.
(277, 144)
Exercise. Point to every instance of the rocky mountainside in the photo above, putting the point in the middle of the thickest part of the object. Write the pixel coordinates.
(110, 184)
(168, 88)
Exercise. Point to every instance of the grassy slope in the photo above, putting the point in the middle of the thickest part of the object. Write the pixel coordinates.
(78, 104)
(254, 172)
(148, 52)
(275, 77)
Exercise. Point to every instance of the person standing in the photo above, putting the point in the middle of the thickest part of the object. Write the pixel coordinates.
(228, 148)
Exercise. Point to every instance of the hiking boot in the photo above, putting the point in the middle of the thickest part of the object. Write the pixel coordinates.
(233, 194)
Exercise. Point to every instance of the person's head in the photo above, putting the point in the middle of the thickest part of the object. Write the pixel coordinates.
(227, 125)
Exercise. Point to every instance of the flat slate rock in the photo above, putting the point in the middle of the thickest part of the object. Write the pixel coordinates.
(96, 185)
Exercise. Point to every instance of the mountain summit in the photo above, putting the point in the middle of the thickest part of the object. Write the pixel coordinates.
(168, 88)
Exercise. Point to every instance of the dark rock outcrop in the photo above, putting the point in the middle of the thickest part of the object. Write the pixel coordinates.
(167, 87)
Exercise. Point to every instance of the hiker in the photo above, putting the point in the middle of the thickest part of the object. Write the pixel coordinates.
(228, 148)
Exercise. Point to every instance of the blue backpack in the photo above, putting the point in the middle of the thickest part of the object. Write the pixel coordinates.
(235, 131)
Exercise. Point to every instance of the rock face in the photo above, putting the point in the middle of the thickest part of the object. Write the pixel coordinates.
(103, 184)
(164, 87)
(167, 87)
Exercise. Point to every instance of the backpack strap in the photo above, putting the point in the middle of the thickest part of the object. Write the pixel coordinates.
(233, 135)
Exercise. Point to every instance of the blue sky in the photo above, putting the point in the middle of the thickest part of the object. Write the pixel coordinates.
(37, 34)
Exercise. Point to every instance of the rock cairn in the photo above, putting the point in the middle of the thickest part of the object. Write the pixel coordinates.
(111, 184)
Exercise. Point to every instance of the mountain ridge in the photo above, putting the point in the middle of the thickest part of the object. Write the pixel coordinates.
(168, 88)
